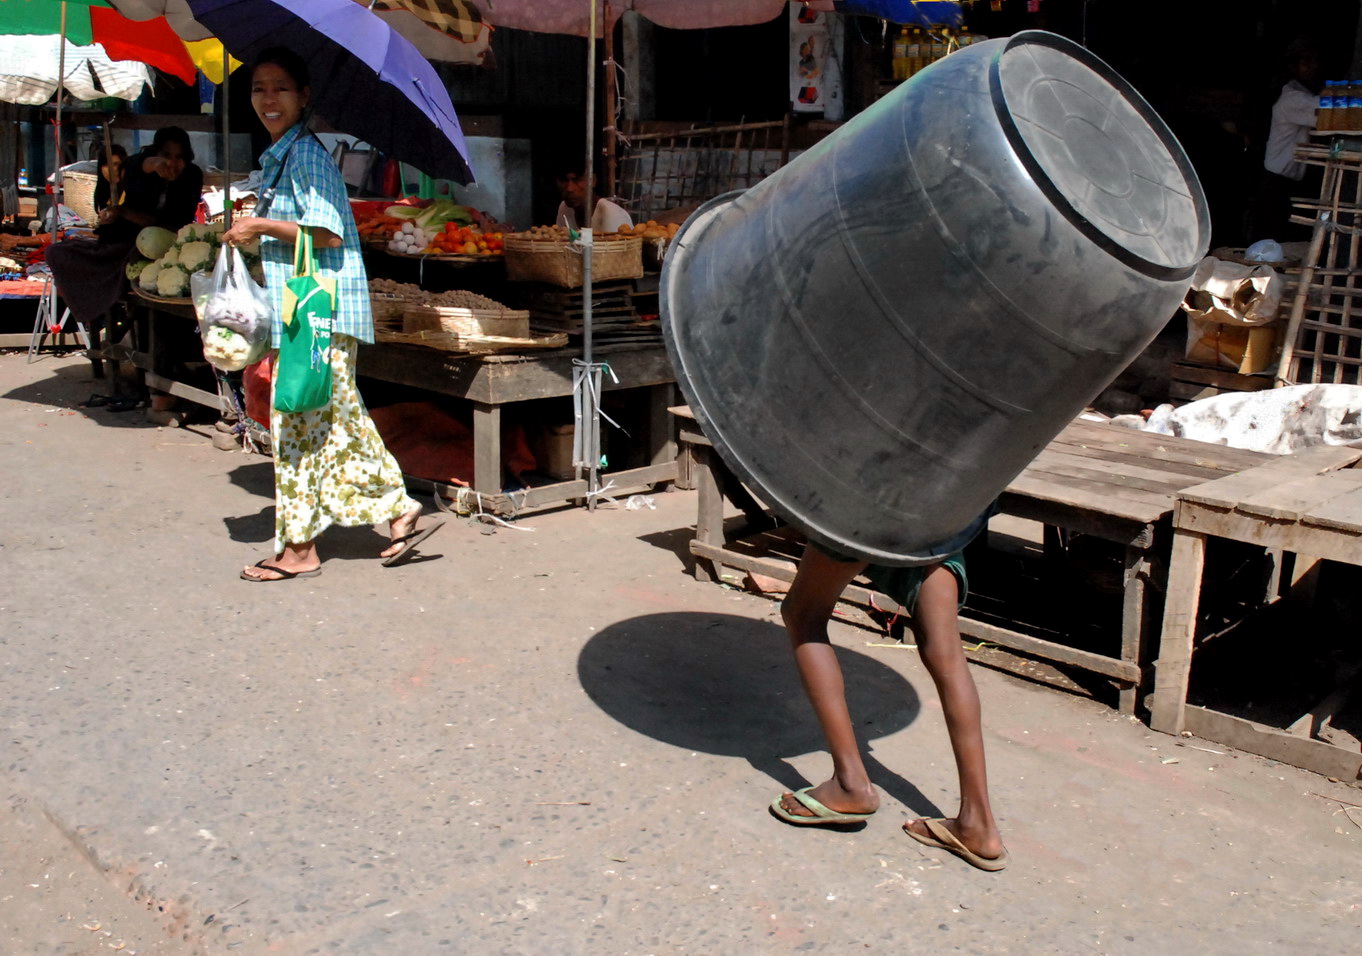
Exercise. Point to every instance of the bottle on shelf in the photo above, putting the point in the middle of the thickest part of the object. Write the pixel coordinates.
(901, 59)
(1325, 116)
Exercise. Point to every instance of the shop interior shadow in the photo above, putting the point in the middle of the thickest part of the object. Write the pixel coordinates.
(727, 685)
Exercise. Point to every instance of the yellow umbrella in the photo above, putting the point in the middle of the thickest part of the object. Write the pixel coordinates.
(207, 56)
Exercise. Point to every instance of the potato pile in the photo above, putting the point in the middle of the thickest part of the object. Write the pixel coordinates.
(651, 229)
(545, 232)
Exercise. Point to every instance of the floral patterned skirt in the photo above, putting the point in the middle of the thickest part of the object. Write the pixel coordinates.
(330, 465)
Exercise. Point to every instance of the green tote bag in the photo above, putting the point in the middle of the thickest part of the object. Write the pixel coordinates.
(303, 381)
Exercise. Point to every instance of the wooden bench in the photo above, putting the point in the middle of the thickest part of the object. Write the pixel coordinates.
(1301, 504)
(1112, 483)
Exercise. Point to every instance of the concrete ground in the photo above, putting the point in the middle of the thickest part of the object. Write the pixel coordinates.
(543, 740)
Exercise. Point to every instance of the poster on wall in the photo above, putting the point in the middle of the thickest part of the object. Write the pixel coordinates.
(815, 66)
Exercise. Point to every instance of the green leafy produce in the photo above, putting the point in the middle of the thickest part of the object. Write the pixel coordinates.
(153, 241)
(134, 269)
(187, 233)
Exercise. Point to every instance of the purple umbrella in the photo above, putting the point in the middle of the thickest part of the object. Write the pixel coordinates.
(367, 80)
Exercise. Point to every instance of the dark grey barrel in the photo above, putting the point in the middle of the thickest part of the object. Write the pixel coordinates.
(881, 336)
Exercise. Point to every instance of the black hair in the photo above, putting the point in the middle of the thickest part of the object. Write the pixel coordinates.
(116, 149)
(173, 134)
(288, 61)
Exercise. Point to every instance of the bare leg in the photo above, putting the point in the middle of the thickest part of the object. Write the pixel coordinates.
(806, 610)
(296, 558)
(938, 636)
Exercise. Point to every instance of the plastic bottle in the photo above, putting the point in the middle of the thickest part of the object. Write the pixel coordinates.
(900, 60)
(1324, 113)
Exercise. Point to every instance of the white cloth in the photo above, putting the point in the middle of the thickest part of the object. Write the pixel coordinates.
(1293, 116)
(1278, 421)
(28, 71)
(608, 216)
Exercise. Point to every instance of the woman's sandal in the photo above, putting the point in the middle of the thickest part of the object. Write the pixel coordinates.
(410, 541)
(283, 575)
(941, 838)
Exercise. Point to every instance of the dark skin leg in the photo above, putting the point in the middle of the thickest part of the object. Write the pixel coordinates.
(806, 610)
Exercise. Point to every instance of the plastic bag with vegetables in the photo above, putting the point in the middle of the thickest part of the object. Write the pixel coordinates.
(234, 313)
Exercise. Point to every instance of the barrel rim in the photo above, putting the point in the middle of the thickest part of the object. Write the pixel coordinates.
(709, 426)
(1094, 233)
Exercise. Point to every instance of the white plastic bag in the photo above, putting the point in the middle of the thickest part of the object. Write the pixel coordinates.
(234, 313)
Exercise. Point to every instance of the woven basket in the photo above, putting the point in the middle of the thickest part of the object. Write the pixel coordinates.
(79, 194)
(558, 262)
(437, 318)
(456, 342)
(388, 308)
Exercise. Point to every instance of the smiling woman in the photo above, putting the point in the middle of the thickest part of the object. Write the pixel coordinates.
(330, 465)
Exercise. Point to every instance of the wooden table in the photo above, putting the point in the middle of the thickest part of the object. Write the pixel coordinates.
(493, 381)
(1301, 503)
(1113, 483)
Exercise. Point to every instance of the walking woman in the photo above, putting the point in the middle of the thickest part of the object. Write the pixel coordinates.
(330, 465)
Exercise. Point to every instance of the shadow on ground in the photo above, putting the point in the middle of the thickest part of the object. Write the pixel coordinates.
(727, 685)
(70, 383)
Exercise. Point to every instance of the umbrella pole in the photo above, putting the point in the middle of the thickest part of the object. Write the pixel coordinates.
(592, 382)
(226, 138)
(51, 299)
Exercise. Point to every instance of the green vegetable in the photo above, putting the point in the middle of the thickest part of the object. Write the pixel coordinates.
(403, 212)
(147, 278)
(442, 211)
(153, 241)
(134, 269)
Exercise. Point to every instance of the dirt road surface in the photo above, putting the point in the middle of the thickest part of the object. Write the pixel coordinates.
(543, 740)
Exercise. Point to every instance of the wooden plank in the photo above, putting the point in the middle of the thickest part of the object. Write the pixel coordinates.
(1341, 513)
(1199, 471)
(1314, 755)
(1329, 543)
(1134, 614)
(1291, 500)
(1107, 527)
(180, 390)
(1221, 378)
(487, 472)
(1173, 666)
(1230, 490)
(709, 521)
(1161, 447)
(1094, 496)
(1149, 477)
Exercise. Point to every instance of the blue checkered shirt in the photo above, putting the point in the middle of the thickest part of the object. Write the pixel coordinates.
(311, 193)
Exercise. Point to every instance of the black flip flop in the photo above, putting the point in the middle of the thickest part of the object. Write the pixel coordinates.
(96, 401)
(284, 575)
(409, 542)
(123, 404)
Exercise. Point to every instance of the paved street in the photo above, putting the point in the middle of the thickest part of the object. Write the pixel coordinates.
(547, 740)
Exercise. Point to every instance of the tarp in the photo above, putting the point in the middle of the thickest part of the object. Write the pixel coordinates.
(28, 71)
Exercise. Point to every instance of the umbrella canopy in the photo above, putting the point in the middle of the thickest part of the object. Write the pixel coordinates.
(29, 71)
(367, 80)
(438, 34)
(153, 42)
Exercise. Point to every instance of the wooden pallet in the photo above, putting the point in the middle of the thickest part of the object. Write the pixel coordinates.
(1194, 382)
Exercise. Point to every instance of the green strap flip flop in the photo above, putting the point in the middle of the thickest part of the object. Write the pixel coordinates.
(822, 816)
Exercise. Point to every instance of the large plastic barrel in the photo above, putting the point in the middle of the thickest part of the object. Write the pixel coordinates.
(883, 334)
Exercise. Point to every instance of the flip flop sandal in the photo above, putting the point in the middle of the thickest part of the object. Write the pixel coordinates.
(96, 401)
(123, 404)
(943, 839)
(822, 816)
(409, 542)
(284, 575)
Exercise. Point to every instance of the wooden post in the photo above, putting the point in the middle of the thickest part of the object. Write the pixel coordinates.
(486, 449)
(1133, 612)
(612, 113)
(1173, 668)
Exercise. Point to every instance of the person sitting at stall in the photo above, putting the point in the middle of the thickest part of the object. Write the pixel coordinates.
(161, 186)
(111, 167)
(1293, 116)
(607, 217)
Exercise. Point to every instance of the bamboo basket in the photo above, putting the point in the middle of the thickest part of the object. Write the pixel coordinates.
(439, 318)
(78, 194)
(456, 342)
(558, 262)
(387, 308)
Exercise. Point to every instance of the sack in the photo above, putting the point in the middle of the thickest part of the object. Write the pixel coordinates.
(303, 381)
(256, 383)
(234, 313)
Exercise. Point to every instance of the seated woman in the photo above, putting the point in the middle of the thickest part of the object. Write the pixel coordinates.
(161, 186)
(111, 166)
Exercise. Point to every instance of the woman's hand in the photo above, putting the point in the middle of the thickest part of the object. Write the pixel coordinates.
(107, 215)
(244, 230)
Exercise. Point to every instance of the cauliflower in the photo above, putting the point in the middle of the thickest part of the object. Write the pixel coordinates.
(172, 282)
(228, 350)
(148, 276)
(211, 232)
(187, 233)
(153, 241)
(196, 256)
(134, 269)
(171, 258)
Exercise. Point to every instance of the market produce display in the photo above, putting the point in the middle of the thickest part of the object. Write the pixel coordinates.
(451, 299)
(650, 230)
(170, 258)
(440, 227)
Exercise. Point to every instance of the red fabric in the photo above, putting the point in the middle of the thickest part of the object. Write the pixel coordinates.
(152, 42)
(21, 288)
(256, 385)
(428, 442)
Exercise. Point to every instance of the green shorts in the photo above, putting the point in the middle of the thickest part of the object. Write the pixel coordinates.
(903, 584)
